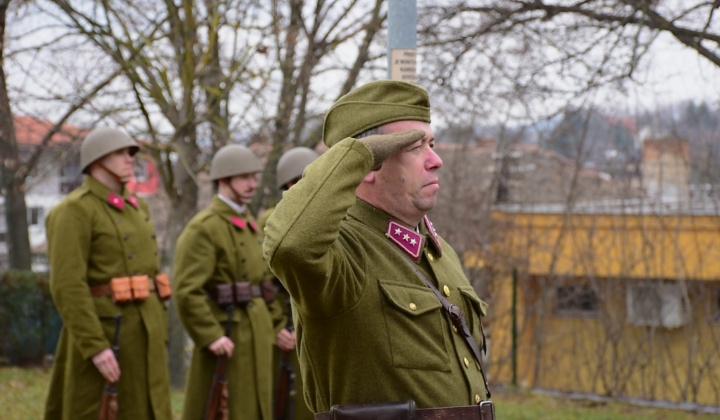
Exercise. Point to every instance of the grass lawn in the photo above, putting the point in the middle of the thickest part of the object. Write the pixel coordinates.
(23, 391)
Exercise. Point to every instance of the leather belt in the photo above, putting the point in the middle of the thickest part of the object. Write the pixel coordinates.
(104, 289)
(255, 291)
(459, 412)
(241, 293)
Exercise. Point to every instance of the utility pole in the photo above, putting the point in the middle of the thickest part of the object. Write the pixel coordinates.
(402, 40)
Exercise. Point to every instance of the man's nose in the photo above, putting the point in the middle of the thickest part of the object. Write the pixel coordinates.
(433, 161)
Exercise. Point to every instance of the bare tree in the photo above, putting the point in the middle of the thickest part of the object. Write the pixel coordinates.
(18, 167)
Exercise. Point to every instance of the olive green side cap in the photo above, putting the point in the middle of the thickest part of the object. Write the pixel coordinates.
(372, 105)
(232, 160)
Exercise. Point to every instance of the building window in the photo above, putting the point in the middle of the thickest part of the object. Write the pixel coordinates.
(35, 216)
(576, 300)
(656, 304)
(3, 237)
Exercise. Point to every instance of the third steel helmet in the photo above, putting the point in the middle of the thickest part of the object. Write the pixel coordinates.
(292, 164)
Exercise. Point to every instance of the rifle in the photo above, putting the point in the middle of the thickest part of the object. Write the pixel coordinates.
(285, 391)
(108, 402)
(216, 407)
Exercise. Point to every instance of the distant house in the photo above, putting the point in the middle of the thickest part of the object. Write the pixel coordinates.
(56, 174)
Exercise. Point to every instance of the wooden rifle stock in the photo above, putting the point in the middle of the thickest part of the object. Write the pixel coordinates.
(108, 402)
(216, 407)
(285, 392)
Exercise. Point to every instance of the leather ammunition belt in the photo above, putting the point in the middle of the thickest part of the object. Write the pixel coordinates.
(241, 292)
(134, 288)
(105, 290)
(483, 411)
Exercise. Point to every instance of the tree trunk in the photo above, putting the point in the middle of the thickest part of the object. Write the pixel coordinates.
(184, 206)
(12, 183)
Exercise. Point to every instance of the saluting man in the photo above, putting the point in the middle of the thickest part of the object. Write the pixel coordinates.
(352, 244)
(290, 168)
(219, 262)
(104, 262)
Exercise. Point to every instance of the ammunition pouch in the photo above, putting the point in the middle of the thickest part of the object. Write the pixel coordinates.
(242, 292)
(134, 288)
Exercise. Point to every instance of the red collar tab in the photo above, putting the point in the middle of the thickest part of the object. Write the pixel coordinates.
(253, 226)
(133, 201)
(240, 223)
(406, 239)
(116, 201)
(433, 235)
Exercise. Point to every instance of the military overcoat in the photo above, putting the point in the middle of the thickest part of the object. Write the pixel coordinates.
(300, 408)
(220, 246)
(93, 236)
(368, 328)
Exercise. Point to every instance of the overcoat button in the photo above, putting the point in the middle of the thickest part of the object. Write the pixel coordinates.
(412, 306)
(454, 329)
(130, 256)
(147, 218)
(466, 361)
(477, 399)
(127, 237)
(153, 236)
(430, 257)
(245, 275)
(446, 290)
(243, 260)
(242, 243)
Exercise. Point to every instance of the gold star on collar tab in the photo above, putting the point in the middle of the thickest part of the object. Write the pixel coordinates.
(406, 239)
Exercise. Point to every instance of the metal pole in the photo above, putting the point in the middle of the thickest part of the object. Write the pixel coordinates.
(402, 40)
(514, 328)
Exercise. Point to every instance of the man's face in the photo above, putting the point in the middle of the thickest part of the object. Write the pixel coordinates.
(408, 181)
(243, 186)
(120, 162)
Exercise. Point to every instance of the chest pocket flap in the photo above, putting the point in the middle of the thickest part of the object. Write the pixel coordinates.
(478, 304)
(411, 300)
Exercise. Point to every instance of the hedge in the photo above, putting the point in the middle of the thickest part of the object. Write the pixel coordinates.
(29, 323)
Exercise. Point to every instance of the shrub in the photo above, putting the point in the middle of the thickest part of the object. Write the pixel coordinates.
(29, 323)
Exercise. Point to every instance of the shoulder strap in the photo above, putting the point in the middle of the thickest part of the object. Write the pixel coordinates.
(458, 320)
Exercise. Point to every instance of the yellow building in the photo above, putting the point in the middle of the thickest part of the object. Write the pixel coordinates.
(620, 305)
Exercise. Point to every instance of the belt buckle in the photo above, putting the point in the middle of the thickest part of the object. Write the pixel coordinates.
(487, 410)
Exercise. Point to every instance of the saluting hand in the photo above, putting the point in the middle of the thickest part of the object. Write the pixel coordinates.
(223, 346)
(285, 339)
(107, 364)
(383, 146)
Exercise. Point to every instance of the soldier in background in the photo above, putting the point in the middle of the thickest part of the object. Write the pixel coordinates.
(101, 235)
(289, 171)
(219, 247)
(352, 244)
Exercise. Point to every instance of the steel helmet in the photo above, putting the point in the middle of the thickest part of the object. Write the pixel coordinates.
(232, 160)
(103, 141)
(292, 164)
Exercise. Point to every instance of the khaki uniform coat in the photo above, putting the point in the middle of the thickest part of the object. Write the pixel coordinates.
(368, 328)
(300, 408)
(91, 240)
(212, 250)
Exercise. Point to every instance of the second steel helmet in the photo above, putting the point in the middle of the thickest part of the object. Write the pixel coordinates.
(103, 141)
(292, 164)
(232, 160)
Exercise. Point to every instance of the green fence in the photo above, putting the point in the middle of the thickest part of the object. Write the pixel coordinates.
(29, 323)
